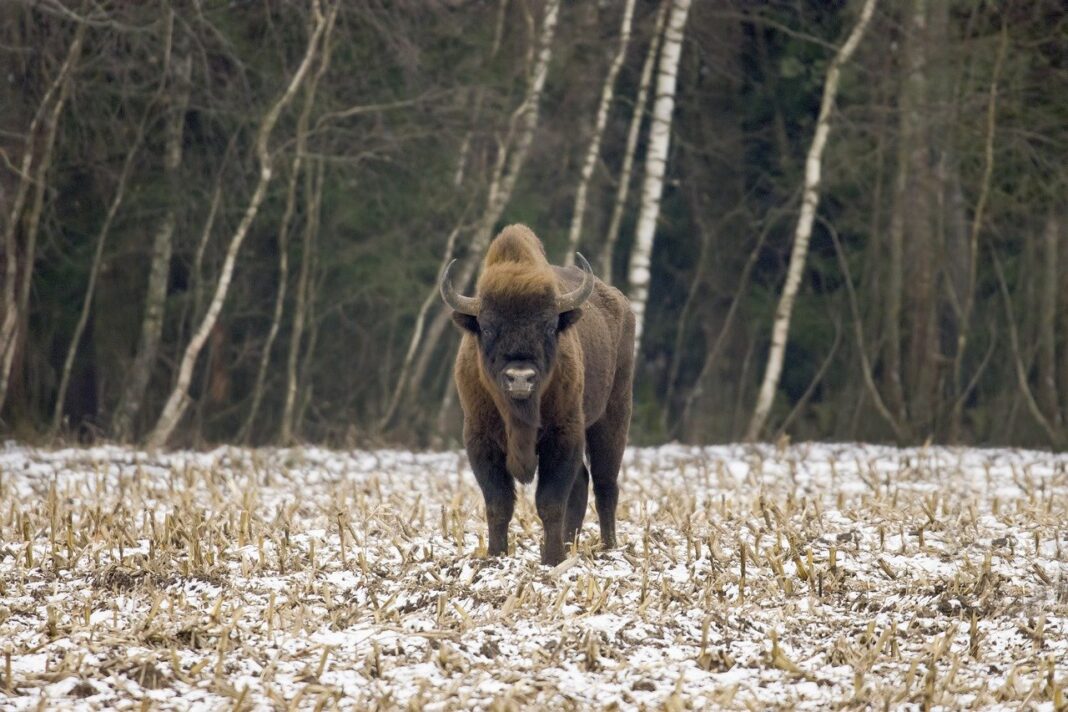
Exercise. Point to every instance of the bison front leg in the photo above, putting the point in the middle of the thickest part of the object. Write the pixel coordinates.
(498, 490)
(576, 505)
(558, 464)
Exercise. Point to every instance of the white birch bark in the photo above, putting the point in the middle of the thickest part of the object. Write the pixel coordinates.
(608, 252)
(314, 199)
(509, 165)
(409, 357)
(803, 232)
(594, 150)
(638, 272)
(94, 273)
(527, 116)
(160, 266)
(295, 168)
(179, 398)
(15, 301)
(432, 296)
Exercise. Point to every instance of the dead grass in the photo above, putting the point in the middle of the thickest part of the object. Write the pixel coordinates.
(809, 576)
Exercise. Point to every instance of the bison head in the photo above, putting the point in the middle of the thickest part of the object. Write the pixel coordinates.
(518, 318)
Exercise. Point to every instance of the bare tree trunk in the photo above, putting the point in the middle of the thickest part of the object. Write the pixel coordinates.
(113, 209)
(509, 165)
(809, 202)
(140, 370)
(712, 355)
(716, 214)
(314, 197)
(639, 270)
(94, 272)
(612, 236)
(16, 301)
(870, 275)
(307, 396)
(894, 287)
(923, 241)
(858, 331)
(179, 398)
(977, 224)
(706, 233)
(1047, 324)
(417, 330)
(196, 311)
(279, 299)
(283, 240)
(1055, 226)
(911, 167)
(465, 145)
(437, 326)
(813, 384)
(1055, 436)
(607, 92)
(404, 377)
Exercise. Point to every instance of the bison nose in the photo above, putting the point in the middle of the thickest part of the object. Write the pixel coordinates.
(519, 379)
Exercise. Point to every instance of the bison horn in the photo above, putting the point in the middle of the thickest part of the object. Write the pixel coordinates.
(458, 302)
(577, 296)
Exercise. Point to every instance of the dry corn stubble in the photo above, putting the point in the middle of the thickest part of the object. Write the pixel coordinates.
(801, 576)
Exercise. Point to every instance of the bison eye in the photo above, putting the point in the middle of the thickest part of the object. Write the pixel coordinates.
(487, 333)
(550, 330)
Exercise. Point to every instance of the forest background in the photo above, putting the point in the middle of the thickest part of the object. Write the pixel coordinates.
(225, 221)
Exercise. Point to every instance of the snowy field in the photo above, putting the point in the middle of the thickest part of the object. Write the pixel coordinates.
(748, 577)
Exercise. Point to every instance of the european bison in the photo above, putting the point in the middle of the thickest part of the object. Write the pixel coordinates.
(544, 374)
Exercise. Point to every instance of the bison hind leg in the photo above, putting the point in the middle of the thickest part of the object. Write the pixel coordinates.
(607, 442)
(576, 505)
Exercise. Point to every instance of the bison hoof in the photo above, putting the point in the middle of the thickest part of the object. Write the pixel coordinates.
(551, 558)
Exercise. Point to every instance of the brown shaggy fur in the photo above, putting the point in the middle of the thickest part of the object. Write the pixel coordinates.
(515, 272)
(583, 402)
(516, 243)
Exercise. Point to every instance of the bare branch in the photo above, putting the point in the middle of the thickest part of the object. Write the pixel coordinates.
(1055, 438)
(858, 331)
(809, 203)
(178, 400)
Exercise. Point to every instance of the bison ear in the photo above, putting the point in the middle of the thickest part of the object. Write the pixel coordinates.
(465, 321)
(568, 318)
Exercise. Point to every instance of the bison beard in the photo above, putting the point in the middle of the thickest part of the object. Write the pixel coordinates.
(544, 373)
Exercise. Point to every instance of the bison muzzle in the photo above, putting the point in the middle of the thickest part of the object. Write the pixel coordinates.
(544, 373)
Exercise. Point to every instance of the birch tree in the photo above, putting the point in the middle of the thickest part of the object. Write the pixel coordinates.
(607, 92)
(179, 397)
(116, 202)
(803, 232)
(94, 273)
(631, 146)
(432, 295)
(296, 165)
(159, 266)
(16, 296)
(314, 199)
(1047, 322)
(509, 165)
(638, 272)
